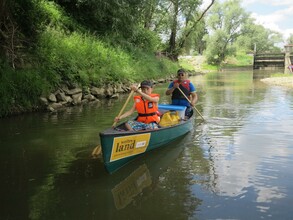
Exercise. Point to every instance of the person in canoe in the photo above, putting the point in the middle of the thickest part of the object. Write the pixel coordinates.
(146, 105)
(187, 88)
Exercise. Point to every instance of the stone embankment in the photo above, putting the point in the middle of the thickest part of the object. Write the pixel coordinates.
(69, 95)
(279, 81)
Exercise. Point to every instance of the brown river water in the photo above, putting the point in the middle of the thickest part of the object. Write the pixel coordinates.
(237, 164)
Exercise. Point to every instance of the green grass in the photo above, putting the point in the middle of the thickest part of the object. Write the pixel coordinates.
(87, 60)
(78, 58)
(209, 67)
(241, 59)
(20, 90)
(186, 64)
(64, 52)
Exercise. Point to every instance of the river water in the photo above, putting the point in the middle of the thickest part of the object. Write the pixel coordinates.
(237, 164)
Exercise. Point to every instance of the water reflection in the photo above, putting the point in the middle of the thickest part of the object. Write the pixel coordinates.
(236, 165)
(125, 191)
(131, 190)
(253, 148)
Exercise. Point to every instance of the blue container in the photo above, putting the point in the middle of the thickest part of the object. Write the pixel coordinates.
(181, 109)
(172, 107)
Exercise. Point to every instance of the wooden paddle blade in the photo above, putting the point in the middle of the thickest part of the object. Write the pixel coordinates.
(97, 151)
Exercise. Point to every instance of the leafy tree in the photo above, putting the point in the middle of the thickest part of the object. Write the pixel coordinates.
(124, 22)
(226, 23)
(104, 17)
(194, 23)
(178, 19)
(195, 42)
(19, 26)
(188, 12)
(148, 13)
(258, 39)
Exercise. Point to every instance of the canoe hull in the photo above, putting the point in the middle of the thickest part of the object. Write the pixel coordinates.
(119, 148)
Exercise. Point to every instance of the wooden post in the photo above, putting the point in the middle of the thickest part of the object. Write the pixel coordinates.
(288, 50)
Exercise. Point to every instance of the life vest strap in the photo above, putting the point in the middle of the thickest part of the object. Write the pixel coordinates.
(148, 114)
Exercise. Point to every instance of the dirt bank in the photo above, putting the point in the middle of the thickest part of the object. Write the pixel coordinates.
(279, 81)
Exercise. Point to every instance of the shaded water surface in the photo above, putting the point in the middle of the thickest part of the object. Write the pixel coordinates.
(236, 165)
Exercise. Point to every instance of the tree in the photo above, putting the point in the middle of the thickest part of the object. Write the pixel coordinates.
(17, 28)
(178, 20)
(195, 42)
(226, 23)
(194, 25)
(148, 12)
(258, 39)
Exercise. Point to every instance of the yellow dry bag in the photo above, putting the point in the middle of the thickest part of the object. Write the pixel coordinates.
(169, 118)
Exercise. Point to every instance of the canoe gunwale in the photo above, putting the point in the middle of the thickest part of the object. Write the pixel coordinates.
(114, 133)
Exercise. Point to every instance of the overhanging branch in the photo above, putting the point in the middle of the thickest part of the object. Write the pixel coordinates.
(181, 44)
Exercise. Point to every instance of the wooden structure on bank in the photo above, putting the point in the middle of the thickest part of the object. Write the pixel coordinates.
(271, 61)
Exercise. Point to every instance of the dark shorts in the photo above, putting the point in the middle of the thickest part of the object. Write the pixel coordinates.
(188, 111)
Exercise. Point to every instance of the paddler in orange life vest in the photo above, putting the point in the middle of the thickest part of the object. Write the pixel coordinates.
(187, 88)
(146, 105)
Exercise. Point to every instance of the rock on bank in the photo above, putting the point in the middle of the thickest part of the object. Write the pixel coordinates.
(69, 95)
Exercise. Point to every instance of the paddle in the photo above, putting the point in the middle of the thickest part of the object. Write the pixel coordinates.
(122, 109)
(97, 150)
(190, 103)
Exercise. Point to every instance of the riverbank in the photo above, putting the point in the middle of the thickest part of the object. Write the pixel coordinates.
(68, 96)
(39, 94)
(279, 81)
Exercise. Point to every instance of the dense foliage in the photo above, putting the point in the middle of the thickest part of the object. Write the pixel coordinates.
(94, 42)
(233, 30)
(44, 44)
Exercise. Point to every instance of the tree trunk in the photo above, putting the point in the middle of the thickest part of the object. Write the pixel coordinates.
(173, 55)
(183, 39)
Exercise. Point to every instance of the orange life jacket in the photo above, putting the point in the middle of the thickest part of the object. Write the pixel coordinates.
(147, 110)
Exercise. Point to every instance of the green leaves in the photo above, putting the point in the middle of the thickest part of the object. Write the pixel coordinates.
(232, 29)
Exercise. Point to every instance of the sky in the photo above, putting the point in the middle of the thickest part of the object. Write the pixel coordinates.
(276, 15)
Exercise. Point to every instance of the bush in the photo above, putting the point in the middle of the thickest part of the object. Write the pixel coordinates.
(20, 90)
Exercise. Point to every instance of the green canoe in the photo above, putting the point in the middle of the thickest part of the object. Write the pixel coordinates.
(120, 146)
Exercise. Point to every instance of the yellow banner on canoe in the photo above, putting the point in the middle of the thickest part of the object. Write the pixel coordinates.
(129, 145)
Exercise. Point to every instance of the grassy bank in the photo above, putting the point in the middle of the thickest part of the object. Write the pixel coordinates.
(198, 63)
(78, 60)
(54, 48)
(62, 51)
(49, 43)
(83, 60)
